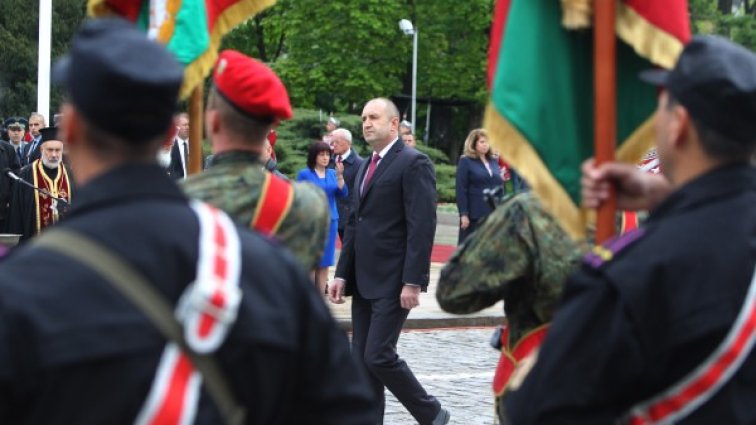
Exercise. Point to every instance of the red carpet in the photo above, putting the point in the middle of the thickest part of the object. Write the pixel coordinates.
(440, 253)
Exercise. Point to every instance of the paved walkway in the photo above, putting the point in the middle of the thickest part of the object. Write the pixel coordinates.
(428, 314)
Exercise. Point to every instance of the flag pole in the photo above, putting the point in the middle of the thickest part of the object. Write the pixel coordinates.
(196, 122)
(43, 58)
(605, 106)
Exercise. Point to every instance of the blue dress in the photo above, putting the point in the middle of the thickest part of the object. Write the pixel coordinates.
(330, 186)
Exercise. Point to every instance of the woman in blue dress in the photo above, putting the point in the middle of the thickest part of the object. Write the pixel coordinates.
(331, 180)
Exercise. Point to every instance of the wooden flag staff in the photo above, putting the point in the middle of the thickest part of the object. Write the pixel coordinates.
(605, 107)
(196, 121)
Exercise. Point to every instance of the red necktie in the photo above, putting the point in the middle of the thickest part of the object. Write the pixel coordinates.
(371, 170)
(338, 159)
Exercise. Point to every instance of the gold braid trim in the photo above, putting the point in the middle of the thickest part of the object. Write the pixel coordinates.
(196, 71)
(99, 8)
(516, 150)
(577, 14)
(648, 40)
(635, 147)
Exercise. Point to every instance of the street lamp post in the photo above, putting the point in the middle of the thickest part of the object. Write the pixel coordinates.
(407, 28)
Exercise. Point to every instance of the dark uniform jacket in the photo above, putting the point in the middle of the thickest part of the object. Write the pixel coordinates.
(631, 326)
(8, 160)
(75, 351)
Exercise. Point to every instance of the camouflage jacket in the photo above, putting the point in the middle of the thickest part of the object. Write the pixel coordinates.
(233, 183)
(519, 254)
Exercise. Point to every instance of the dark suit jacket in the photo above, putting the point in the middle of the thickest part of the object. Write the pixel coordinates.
(32, 156)
(351, 166)
(472, 179)
(176, 169)
(389, 235)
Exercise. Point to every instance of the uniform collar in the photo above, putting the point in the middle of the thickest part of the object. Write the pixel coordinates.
(231, 157)
(124, 184)
(721, 182)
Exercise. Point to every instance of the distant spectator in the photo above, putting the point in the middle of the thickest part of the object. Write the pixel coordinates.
(344, 154)
(409, 140)
(16, 128)
(405, 127)
(267, 157)
(477, 170)
(332, 124)
(332, 183)
(31, 151)
(179, 168)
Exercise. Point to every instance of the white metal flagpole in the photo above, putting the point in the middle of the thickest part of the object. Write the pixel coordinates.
(43, 64)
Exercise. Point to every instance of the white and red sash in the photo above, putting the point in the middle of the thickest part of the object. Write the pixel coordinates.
(207, 310)
(700, 385)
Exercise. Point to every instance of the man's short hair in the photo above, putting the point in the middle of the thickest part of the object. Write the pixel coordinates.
(38, 115)
(714, 143)
(393, 111)
(344, 133)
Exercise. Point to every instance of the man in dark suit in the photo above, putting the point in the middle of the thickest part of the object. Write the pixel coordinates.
(31, 151)
(341, 140)
(180, 150)
(385, 261)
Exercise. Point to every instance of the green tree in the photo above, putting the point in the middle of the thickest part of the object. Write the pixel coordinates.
(718, 17)
(19, 23)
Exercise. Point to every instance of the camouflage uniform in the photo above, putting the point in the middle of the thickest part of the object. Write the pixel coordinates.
(519, 254)
(233, 183)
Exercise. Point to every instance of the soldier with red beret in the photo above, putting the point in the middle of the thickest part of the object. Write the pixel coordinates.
(246, 102)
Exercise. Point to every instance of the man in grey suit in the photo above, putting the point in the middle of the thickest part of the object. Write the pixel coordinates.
(385, 260)
(341, 140)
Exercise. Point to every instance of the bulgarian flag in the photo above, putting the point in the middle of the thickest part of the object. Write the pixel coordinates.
(541, 114)
(191, 29)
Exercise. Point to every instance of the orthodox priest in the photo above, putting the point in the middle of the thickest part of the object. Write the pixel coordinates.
(33, 210)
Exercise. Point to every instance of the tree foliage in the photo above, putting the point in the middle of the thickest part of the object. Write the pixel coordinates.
(336, 55)
(732, 19)
(18, 48)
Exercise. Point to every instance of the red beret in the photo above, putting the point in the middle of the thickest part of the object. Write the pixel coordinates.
(251, 86)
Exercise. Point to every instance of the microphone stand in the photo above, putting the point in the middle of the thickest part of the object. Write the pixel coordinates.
(17, 178)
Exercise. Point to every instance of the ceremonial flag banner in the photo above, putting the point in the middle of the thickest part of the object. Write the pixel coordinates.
(191, 29)
(540, 115)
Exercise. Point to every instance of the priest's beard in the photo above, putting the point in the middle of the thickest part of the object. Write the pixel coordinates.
(51, 164)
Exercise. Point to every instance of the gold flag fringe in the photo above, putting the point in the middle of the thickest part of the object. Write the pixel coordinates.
(197, 70)
(517, 151)
(577, 14)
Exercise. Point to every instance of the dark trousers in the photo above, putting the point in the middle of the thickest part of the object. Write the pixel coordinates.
(376, 327)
